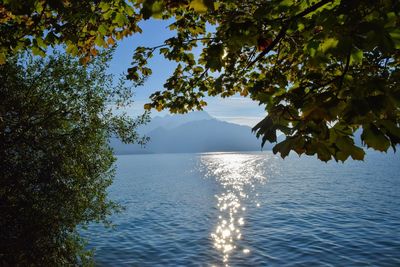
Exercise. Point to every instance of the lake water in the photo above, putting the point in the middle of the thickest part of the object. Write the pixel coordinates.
(252, 209)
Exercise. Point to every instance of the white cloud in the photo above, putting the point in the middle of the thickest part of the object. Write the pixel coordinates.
(235, 109)
(243, 120)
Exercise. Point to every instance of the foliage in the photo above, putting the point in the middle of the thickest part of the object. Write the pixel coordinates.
(323, 69)
(83, 26)
(55, 122)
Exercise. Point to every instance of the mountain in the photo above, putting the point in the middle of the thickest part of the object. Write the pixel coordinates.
(172, 121)
(204, 136)
(192, 132)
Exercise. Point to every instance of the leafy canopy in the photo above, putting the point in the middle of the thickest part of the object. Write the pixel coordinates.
(55, 161)
(83, 26)
(323, 69)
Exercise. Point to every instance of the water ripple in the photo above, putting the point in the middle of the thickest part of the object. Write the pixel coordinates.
(252, 209)
(238, 174)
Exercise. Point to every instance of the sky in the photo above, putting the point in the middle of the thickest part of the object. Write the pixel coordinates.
(235, 109)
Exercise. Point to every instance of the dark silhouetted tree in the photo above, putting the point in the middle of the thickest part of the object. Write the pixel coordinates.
(56, 117)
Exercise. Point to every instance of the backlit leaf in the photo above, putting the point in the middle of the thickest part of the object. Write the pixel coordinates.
(328, 44)
(201, 5)
(356, 57)
(374, 138)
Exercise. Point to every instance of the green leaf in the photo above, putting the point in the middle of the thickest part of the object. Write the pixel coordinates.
(2, 58)
(129, 10)
(266, 129)
(201, 6)
(374, 138)
(39, 7)
(344, 143)
(38, 52)
(357, 153)
(356, 57)
(323, 152)
(152, 8)
(120, 19)
(102, 29)
(395, 36)
(214, 57)
(104, 6)
(328, 44)
(342, 156)
(391, 127)
(146, 71)
(283, 148)
(312, 48)
(72, 49)
(99, 41)
(40, 42)
(286, 3)
(198, 69)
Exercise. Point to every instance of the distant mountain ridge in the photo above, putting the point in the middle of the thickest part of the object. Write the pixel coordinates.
(172, 121)
(194, 132)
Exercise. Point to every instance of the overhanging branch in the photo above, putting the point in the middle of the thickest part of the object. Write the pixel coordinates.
(285, 27)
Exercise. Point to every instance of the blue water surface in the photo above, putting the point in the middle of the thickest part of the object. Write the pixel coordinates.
(252, 209)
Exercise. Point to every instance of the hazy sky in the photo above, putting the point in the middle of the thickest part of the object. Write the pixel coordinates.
(235, 109)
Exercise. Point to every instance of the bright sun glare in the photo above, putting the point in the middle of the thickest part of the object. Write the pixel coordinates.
(236, 173)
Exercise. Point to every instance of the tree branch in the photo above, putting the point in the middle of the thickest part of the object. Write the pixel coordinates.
(186, 42)
(311, 9)
(277, 39)
(284, 28)
(346, 69)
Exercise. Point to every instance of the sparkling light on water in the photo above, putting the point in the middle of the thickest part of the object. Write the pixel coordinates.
(238, 174)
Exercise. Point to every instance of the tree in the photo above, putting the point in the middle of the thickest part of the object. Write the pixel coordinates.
(56, 117)
(323, 69)
(83, 26)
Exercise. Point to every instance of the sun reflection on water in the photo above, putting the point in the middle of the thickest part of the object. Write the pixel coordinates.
(238, 174)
